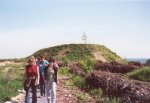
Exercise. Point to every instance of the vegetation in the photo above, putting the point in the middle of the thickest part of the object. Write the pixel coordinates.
(69, 84)
(84, 54)
(96, 92)
(75, 52)
(65, 61)
(79, 81)
(99, 96)
(111, 100)
(64, 71)
(142, 74)
(10, 80)
(87, 65)
(83, 97)
(16, 60)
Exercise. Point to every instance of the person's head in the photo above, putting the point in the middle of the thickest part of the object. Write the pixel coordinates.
(42, 57)
(38, 59)
(31, 60)
(51, 61)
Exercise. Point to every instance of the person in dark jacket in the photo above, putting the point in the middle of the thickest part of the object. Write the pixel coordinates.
(42, 63)
(50, 77)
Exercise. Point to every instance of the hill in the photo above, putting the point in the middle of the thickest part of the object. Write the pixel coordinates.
(74, 52)
(94, 75)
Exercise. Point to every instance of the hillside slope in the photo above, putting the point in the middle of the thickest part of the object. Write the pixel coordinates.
(79, 52)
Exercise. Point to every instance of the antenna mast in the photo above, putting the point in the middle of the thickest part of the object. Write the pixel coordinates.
(84, 38)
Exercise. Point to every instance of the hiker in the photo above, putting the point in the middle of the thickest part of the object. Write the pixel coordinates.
(50, 78)
(31, 80)
(42, 63)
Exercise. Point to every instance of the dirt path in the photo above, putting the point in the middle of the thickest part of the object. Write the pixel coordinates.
(64, 95)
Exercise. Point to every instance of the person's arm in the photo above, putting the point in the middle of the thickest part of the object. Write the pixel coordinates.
(46, 63)
(38, 75)
(24, 77)
(45, 73)
(55, 72)
(56, 65)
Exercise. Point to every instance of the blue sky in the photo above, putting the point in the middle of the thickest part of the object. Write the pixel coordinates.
(29, 25)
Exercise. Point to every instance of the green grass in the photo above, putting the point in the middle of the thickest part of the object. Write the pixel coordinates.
(96, 92)
(79, 81)
(9, 89)
(111, 100)
(83, 97)
(64, 71)
(69, 84)
(10, 81)
(65, 60)
(87, 65)
(142, 74)
(75, 52)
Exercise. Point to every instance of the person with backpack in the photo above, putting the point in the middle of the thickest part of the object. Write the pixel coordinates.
(31, 80)
(50, 78)
(42, 63)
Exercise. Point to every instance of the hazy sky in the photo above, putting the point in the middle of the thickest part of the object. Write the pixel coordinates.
(29, 25)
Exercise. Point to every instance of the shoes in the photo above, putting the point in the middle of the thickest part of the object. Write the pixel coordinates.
(43, 95)
(40, 96)
(48, 99)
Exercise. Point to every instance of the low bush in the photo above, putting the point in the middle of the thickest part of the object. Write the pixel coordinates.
(79, 81)
(111, 100)
(142, 74)
(63, 71)
(83, 97)
(10, 81)
(87, 65)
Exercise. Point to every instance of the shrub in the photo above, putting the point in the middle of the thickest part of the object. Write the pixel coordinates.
(9, 88)
(96, 92)
(83, 97)
(63, 71)
(87, 65)
(65, 60)
(112, 100)
(79, 81)
(10, 81)
(142, 74)
(69, 84)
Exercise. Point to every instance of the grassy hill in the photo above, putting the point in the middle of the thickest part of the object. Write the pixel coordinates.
(73, 52)
(81, 73)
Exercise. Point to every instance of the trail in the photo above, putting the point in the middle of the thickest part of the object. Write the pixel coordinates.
(64, 95)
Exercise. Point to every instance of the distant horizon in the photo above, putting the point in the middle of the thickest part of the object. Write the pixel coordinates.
(27, 26)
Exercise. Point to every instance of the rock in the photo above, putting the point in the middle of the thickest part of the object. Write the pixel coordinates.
(19, 91)
(8, 102)
(23, 91)
(69, 95)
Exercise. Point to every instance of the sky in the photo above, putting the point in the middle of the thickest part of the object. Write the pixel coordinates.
(27, 26)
